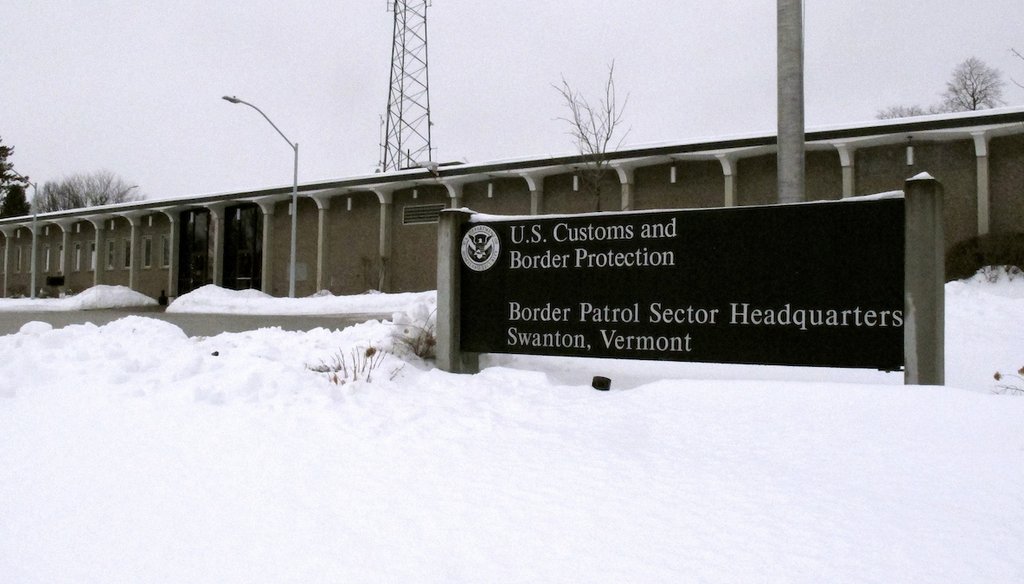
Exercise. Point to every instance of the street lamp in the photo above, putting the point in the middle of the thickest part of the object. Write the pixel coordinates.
(35, 235)
(295, 192)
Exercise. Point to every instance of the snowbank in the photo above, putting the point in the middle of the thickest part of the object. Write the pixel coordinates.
(97, 297)
(213, 299)
(1006, 281)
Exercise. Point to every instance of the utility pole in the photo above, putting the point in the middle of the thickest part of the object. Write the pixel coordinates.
(406, 139)
(791, 101)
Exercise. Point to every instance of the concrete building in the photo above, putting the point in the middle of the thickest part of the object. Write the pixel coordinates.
(379, 231)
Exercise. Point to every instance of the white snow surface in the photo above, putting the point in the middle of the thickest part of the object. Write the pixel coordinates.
(214, 299)
(96, 297)
(133, 453)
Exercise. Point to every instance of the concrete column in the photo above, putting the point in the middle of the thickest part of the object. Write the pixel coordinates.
(449, 355)
(7, 256)
(626, 179)
(924, 279)
(537, 201)
(535, 183)
(627, 196)
(133, 245)
(846, 160)
(172, 242)
(386, 211)
(34, 261)
(267, 252)
(217, 216)
(455, 190)
(729, 173)
(65, 244)
(98, 226)
(323, 204)
(984, 200)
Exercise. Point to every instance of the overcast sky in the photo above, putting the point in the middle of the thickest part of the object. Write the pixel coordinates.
(134, 86)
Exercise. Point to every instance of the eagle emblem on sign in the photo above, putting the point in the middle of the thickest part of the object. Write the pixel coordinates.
(480, 248)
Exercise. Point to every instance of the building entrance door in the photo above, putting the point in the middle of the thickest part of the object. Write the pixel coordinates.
(243, 247)
(194, 253)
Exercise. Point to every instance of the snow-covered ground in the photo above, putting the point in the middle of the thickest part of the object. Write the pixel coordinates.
(132, 453)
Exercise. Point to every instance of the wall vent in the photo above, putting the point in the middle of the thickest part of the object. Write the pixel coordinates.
(416, 214)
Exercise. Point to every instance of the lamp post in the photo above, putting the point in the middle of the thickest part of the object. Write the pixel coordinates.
(35, 236)
(295, 192)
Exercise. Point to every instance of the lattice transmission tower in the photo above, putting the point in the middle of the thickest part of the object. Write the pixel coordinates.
(406, 136)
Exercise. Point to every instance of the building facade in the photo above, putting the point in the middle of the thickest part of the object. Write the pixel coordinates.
(379, 231)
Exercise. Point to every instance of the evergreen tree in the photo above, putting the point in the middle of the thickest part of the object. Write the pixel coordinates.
(15, 204)
(8, 177)
(11, 184)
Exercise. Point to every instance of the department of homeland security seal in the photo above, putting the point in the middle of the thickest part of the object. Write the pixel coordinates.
(480, 248)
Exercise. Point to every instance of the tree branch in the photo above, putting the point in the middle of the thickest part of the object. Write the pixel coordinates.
(593, 127)
(1017, 54)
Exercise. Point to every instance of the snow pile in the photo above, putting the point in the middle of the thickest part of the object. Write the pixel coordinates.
(978, 311)
(133, 453)
(213, 299)
(1005, 281)
(94, 298)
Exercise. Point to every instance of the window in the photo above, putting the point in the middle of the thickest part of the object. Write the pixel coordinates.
(46, 259)
(165, 251)
(60, 257)
(127, 254)
(92, 256)
(78, 257)
(147, 252)
(17, 263)
(111, 252)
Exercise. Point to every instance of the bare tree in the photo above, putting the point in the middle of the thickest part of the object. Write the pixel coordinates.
(1017, 54)
(594, 127)
(900, 111)
(974, 86)
(86, 190)
(909, 111)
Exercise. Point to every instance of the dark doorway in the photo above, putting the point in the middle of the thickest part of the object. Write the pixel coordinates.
(194, 257)
(243, 247)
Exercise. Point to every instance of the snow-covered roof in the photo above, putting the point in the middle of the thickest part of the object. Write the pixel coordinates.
(937, 127)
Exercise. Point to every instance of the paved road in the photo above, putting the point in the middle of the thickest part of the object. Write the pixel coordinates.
(193, 324)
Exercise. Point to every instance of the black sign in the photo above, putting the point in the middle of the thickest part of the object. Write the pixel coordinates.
(810, 284)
